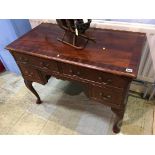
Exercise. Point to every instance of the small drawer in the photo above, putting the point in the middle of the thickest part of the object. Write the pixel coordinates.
(44, 64)
(33, 74)
(107, 95)
(106, 78)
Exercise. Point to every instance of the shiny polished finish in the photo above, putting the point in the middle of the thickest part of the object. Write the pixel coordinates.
(106, 67)
(123, 49)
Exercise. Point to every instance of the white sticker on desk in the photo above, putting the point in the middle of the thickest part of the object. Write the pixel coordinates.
(129, 70)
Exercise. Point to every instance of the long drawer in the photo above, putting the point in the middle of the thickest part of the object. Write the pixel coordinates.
(94, 76)
(44, 64)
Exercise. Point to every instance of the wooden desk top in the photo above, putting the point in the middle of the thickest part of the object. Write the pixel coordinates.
(122, 49)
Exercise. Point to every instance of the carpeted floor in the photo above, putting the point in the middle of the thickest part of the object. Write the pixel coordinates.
(65, 110)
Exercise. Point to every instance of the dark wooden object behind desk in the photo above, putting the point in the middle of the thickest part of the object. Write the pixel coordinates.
(102, 66)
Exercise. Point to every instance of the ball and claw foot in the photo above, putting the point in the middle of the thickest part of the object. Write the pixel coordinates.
(38, 101)
(30, 87)
(119, 118)
(117, 127)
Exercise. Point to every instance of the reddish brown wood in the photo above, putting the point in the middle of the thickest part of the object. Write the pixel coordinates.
(101, 66)
(30, 87)
(45, 64)
(95, 75)
(122, 49)
(119, 117)
(107, 95)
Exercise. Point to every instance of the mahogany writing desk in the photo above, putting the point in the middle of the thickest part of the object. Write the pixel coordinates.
(106, 68)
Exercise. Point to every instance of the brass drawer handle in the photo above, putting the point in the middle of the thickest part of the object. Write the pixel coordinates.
(74, 73)
(23, 59)
(44, 65)
(70, 71)
(108, 81)
(105, 97)
(100, 78)
(28, 73)
(41, 63)
(78, 73)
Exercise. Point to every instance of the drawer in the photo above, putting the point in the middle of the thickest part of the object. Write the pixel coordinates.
(107, 95)
(95, 76)
(106, 78)
(33, 74)
(44, 64)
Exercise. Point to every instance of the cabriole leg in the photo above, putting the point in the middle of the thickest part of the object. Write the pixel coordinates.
(30, 87)
(119, 114)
